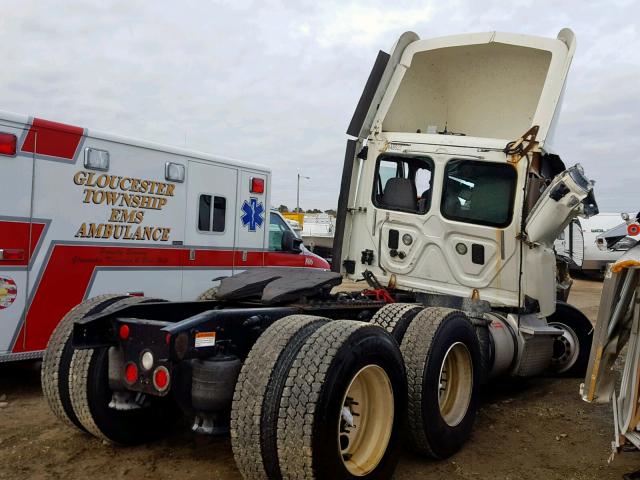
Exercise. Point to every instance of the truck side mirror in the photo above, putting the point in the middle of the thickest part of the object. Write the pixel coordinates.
(290, 243)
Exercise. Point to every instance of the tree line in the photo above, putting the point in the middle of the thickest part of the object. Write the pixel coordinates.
(285, 209)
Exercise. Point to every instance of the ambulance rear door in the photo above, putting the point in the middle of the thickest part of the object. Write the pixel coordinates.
(18, 236)
(252, 227)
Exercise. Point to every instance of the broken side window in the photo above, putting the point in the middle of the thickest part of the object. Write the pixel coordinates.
(403, 183)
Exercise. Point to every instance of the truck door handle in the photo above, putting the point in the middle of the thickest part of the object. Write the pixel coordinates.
(477, 254)
(11, 254)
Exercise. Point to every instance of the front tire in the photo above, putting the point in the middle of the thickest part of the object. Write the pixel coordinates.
(442, 356)
(343, 405)
(571, 351)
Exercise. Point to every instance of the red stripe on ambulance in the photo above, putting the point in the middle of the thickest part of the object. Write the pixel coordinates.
(53, 139)
(70, 268)
(15, 236)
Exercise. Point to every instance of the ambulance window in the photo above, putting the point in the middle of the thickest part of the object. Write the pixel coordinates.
(403, 183)
(204, 214)
(212, 219)
(479, 192)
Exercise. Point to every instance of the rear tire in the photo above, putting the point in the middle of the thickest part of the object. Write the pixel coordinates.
(256, 402)
(442, 357)
(57, 359)
(345, 370)
(91, 395)
(396, 317)
(209, 294)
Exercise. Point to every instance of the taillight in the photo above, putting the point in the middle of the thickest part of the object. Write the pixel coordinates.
(12, 254)
(130, 373)
(8, 143)
(161, 378)
(136, 294)
(257, 185)
(123, 332)
(633, 229)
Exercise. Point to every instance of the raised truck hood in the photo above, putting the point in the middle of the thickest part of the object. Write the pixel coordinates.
(488, 85)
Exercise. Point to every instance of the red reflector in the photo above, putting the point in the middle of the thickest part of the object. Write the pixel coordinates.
(123, 332)
(136, 294)
(12, 254)
(131, 373)
(161, 378)
(257, 185)
(167, 338)
(633, 229)
(7, 144)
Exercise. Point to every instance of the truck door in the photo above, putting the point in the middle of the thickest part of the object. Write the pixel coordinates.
(19, 237)
(447, 221)
(210, 226)
(252, 227)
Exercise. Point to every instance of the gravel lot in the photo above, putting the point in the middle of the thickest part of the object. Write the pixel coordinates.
(535, 429)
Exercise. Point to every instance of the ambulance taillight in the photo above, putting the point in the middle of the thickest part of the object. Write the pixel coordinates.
(257, 185)
(12, 254)
(8, 144)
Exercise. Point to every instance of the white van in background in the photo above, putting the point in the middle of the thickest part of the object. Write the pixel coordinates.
(578, 243)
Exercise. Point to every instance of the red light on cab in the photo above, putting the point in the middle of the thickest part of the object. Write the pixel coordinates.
(633, 229)
(257, 185)
(131, 373)
(123, 332)
(8, 144)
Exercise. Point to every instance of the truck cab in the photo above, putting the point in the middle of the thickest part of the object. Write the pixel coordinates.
(451, 152)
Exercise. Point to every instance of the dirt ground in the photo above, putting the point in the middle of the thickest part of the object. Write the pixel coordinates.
(536, 429)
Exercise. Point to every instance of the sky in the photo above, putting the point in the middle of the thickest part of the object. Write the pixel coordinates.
(276, 82)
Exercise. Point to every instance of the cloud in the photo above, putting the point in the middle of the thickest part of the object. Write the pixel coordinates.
(364, 24)
(276, 82)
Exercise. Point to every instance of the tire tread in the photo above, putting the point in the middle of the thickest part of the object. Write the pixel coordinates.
(301, 394)
(251, 389)
(79, 374)
(52, 358)
(416, 351)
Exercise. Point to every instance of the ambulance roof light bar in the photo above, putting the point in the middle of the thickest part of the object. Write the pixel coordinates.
(8, 144)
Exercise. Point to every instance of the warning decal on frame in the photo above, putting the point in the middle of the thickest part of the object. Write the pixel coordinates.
(205, 339)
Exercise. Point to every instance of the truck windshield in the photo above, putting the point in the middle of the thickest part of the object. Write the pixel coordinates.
(277, 227)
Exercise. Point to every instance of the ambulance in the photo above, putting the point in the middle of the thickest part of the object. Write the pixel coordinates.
(85, 213)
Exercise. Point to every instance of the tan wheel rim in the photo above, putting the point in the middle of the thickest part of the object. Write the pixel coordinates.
(455, 384)
(366, 420)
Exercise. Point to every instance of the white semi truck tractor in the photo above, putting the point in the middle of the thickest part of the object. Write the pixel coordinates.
(450, 201)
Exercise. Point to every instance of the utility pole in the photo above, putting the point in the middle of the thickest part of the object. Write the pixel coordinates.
(298, 194)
